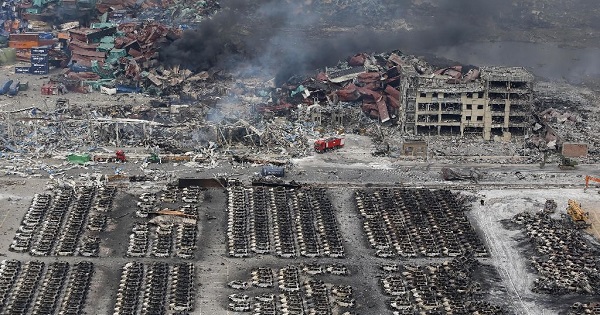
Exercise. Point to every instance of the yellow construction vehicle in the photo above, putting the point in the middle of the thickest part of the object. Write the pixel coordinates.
(580, 218)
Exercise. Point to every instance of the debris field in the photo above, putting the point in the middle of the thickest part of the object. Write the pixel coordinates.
(284, 157)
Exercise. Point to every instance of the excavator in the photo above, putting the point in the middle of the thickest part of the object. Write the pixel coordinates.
(589, 179)
(580, 218)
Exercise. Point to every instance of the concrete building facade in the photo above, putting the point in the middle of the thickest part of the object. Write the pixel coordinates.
(497, 102)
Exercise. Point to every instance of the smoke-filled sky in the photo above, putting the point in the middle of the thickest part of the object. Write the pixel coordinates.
(285, 37)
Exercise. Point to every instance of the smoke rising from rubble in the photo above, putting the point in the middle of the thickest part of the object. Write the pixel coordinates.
(284, 38)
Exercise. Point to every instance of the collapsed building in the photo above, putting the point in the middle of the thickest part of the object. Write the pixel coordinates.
(490, 101)
(407, 91)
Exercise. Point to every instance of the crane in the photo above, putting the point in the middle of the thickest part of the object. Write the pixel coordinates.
(589, 179)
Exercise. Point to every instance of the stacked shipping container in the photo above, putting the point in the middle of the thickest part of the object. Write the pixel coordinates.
(32, 47)
(39, 60)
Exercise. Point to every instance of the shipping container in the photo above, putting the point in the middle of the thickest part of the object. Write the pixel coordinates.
(45, 36)
(39, 61)
(24, 37)
(38, 55)
(37, 66)
(39, 72)
(23, 44)
(39, 50)
(49, 89)
(22, 69)
(39, 58)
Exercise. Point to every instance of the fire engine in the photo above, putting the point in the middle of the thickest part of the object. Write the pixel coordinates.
(323, 145)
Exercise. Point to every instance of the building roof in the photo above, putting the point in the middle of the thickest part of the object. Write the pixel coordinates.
(440, 84)
(518, 74)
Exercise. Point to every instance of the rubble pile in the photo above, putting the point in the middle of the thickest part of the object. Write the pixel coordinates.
(565, 114)
(475, 149)
(173, 12)
(368, 81)
(116, 58)
(416, 223)
(565, 262)
(446, 288)
(300, 291)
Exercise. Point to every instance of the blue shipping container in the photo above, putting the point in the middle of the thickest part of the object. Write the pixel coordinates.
(22, 69)
(45, 36)
(35, 67)
(40, 65)
(39, 70)
(128, 89)
(39, 58)
(39, 51)
(78, 68)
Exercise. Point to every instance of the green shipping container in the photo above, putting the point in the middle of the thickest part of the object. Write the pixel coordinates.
(79, 158)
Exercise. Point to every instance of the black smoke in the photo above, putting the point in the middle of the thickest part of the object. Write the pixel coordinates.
(284, 38)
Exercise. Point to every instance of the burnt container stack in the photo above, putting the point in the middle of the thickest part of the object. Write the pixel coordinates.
(39, 60)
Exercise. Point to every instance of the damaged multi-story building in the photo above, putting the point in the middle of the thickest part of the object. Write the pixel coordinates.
(490, 101)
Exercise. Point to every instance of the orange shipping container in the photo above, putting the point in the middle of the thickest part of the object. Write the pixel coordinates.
(24, 37)
(22, 45)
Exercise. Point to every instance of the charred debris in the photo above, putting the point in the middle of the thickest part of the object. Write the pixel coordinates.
(405, 104)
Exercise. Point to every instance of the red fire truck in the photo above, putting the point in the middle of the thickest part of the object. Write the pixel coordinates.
(323, 145)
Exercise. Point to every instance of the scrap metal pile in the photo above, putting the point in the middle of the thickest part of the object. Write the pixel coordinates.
(285, 222)
(156, 288)
(565, 262)
(98, 56)
(64, 223)
(34, 287)
(172, 12)
(300, 291)
(444, 288)
(417, 223)
(109, 46)
(373, 81)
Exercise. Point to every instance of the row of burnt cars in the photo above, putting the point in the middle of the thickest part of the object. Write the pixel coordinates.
(293, 289)
(65, 222)
(156, 288)
(285, 222)
(35, 287)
